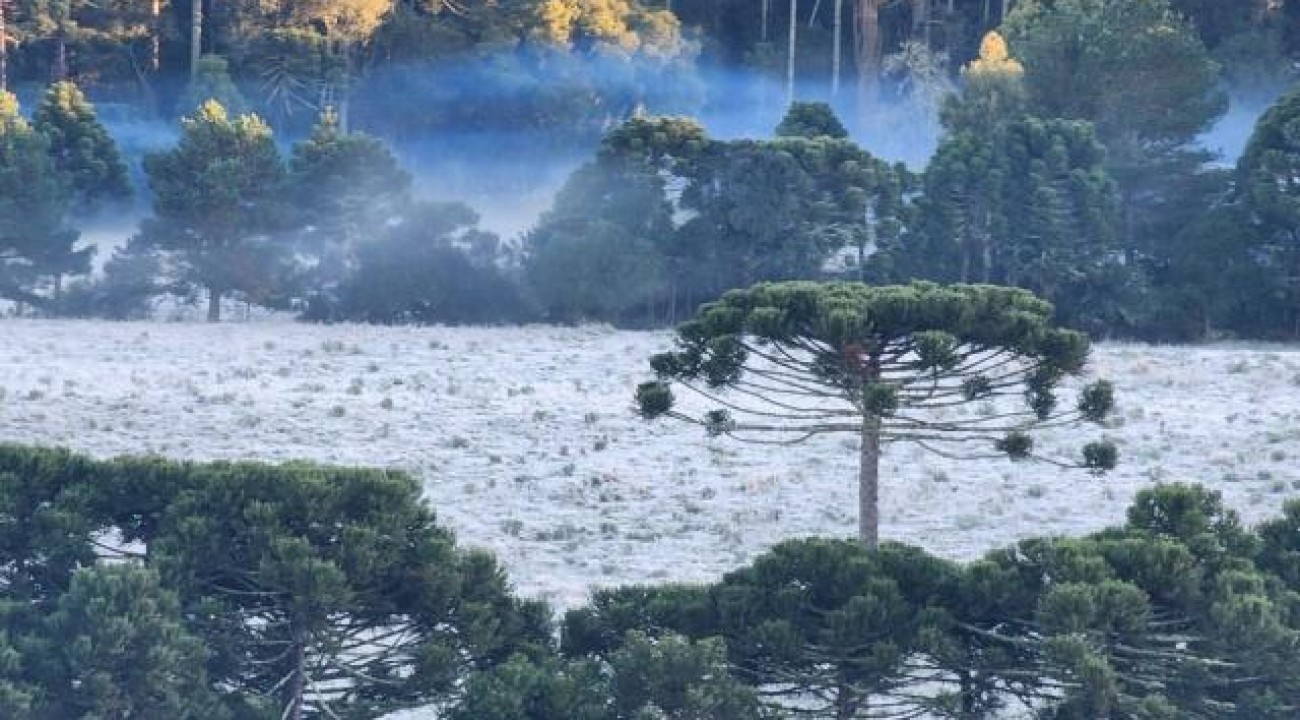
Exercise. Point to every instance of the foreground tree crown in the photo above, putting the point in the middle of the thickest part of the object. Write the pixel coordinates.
(786, 362)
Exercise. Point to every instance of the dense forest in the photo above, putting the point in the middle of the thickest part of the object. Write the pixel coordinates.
(1056, 145)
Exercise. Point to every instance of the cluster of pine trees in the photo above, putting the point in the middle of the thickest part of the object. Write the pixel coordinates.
(149, 588)
(1068, 162)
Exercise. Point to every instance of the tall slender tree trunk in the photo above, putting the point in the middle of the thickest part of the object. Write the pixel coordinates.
(766, 20)
(4, 45)
(921, 21)
(837, 49)
(869, 483)
(868, 51)
(196, 36)
(60, 56)
(793, 43)
(155, 36)
(214, 304)
(1006, 8)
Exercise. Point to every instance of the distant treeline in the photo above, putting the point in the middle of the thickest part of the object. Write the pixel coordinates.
(1067, 164)
(141, 587)
(565, 65)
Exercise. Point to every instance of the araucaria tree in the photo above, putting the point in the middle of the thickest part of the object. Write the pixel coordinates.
(217, 196)
(786, 362)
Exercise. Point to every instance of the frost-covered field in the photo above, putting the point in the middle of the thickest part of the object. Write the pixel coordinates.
(527, 445)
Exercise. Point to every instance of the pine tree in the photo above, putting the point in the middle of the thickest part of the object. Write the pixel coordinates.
(217, 196)
(35, 240)
(1138, 72)
(83, 151)
(346, 187)
(1268, 187)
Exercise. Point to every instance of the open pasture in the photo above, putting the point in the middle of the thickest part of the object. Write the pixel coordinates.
(527, 444)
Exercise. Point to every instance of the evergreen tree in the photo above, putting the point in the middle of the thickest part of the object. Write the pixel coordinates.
(667, 677)
(347, 188)
(217, 197)
(35, 240)
(785, 362)
(811, 120)
(116, 646)
(432, 266)
(83, 151)
(1269, 189)
(330, 592)
(1139, 73)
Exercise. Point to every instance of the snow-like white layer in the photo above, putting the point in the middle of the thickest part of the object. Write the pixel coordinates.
(526, 441)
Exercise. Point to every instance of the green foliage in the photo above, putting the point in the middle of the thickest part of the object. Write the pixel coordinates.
(1280, 546)
(1022, 202)
(1139, 73)
(667, 677)
(433, 265)
(1270, 193)
(116, 646)
(262, 577)
(35, 240)
(1136, 70)
(216, 196)
(811, 120)
(551, 689)
(601, 625)
(81, 147)
(212, 83)
(1097, 400)
(1100, 457)
(859, 330)
(132, 277)
(236, 586)
(665, 218)
(345, 185)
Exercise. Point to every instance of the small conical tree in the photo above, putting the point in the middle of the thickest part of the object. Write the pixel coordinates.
(811, 120)
(786, 362)
(82, 149)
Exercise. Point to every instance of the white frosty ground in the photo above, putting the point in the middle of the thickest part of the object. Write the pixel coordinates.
(526, 442)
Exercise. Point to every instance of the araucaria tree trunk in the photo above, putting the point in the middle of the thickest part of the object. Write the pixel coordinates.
(196, 36)
(155, 36)
(837, 48)
(789, 66)
(4, 45)
(868, 50)
(869, 483)
(214, 304)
